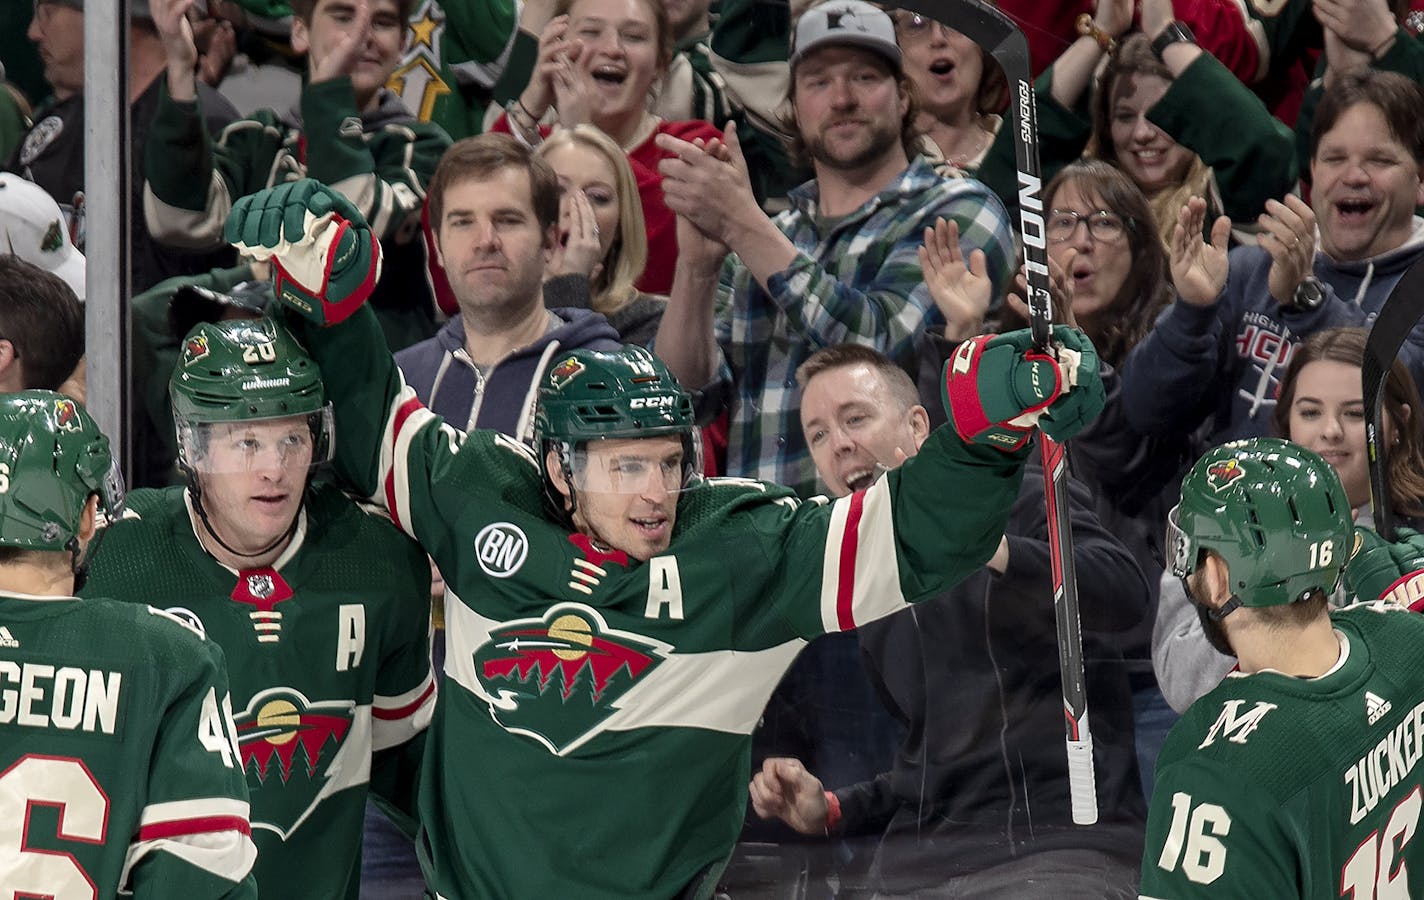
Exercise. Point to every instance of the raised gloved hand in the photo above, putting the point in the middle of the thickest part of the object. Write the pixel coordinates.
(326, 257)
(1381, 570)
(997, 387)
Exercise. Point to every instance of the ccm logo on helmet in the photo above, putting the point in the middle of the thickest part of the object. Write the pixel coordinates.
(500, 548)
(651, 402)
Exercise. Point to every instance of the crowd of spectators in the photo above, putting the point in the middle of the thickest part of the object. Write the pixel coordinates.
(803, 209)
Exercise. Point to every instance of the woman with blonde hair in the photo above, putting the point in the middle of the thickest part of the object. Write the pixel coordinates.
(597, 63)
(603, 246)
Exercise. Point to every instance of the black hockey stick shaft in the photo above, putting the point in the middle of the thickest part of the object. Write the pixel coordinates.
(997, 33)
(1402, 310)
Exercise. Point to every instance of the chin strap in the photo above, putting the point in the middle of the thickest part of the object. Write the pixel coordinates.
(1211, 621)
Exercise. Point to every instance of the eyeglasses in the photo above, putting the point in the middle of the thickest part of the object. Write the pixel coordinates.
(1104, 226)
(913, 26)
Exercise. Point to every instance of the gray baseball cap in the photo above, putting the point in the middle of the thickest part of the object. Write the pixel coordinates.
(846, 23)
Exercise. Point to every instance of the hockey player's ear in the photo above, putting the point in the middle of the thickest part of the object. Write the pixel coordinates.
(555, 468)
(1215, 582)
(88, 519)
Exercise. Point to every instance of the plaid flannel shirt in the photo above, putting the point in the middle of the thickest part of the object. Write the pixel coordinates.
(860, 283)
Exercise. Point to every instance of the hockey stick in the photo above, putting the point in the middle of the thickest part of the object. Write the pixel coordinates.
(1402, 310)
(998, 34)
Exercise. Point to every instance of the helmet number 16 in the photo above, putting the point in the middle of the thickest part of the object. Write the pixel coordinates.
(1322, 553)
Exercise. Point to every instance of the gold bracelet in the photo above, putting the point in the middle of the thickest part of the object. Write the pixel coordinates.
(1088, 28)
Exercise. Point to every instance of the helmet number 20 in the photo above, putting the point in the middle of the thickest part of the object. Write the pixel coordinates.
(1321, 554)
(264, 352)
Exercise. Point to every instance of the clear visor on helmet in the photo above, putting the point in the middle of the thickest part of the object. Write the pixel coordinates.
(289, 443)
(638, 465)
(1178, 546)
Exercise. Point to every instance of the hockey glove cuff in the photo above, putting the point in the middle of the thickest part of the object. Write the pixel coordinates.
(326, 257)
(997, 387)
(1380, 570)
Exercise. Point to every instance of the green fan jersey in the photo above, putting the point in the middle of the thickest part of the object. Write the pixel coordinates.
(593, 737)
(1276, 786)
(330, 658)
(119, 768)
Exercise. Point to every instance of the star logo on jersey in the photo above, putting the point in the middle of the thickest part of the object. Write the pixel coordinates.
(288, 744)
(1224, 474)
(557, 678)
(566, 371)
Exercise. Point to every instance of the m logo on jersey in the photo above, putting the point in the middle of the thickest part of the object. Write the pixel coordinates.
(276, 724)
(555, 679)
(1236, 725)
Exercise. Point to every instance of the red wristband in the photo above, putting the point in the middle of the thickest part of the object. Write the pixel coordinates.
(833, 812)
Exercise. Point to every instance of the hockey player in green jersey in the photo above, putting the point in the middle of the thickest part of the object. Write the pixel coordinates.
(119, 769)
(322, 609)
(615, 623)
(1297, 776)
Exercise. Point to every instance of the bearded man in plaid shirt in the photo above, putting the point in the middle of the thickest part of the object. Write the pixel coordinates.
(841, 265)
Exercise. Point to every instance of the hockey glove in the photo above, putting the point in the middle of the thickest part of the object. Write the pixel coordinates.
(1380, 570)
(326, 257)
(997, 387)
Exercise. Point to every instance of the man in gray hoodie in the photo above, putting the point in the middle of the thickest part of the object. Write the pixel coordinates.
(494, 212)
(1215, 357)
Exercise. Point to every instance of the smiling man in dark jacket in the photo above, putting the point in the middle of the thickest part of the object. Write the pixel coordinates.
(976, 803)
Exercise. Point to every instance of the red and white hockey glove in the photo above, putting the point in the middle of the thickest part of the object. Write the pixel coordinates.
(326, 257)
(997, 388)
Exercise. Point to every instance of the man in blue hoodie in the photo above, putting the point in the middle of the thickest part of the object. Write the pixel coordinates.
(1216, 355)
(494, 211)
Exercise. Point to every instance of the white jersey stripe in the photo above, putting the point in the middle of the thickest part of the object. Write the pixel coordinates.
(871, 576)
(226, 854)
(181, 810)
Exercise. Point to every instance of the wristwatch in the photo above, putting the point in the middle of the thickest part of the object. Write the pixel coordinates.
(1309, 294)
(1174, 33)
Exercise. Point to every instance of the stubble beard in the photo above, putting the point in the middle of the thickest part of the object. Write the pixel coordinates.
(881, 141)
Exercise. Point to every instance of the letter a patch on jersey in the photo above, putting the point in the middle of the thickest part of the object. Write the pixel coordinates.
(557, 678)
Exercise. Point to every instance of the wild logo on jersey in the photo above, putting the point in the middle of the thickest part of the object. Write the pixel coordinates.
(276, 724)
(557, 678)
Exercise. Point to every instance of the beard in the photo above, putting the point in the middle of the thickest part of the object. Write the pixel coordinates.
(880, 139)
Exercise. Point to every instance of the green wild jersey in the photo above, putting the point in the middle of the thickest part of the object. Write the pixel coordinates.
(118, 763)
(330, 659)
(1275, 786)
(593, 737)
